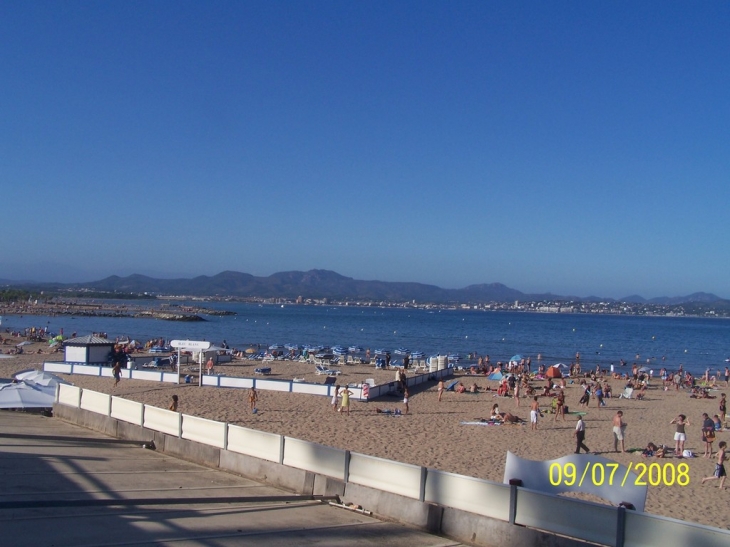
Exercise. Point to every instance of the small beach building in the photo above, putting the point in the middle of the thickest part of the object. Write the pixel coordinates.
(88, 350)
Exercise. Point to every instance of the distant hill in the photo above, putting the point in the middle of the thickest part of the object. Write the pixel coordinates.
(318, 284)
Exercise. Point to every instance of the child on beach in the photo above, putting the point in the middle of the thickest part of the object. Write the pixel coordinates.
(719, 466)
(173, 404)
(534, 412)
(253, 398)
(680, 436)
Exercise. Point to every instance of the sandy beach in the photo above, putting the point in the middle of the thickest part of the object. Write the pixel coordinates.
(431, 434)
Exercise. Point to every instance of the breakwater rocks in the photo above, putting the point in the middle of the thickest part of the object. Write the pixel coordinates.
(169, 316)
(97, 309)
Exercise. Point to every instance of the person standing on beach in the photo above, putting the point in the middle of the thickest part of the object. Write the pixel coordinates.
(560, 406)
(723, 407)
(534, 413)
(209, 366)
(708, 434)
(117, 373)
(173, 404)
(517, 394)
(346, 400)
(619, 429)
(334, 397)
(441, 389)
(680, 436)
(719, 466)
(405, 400)
(580, 435)
(253, 398)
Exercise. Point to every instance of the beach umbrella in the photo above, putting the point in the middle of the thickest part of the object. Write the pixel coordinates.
(402, 351)
(495, 376)
(516, 358)
(25, 394)
(249, 351)
(339, 350)
(42, 378)
(417, 355)
(293, 347)
(644, 369)
(382, 352)
(454, 358)
(355, 349)
(276, 347)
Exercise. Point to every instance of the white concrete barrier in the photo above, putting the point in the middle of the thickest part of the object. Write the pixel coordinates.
(213, 381)
(127, 411)
(228, 381)
(259, 444)
(387, 475)
(63, 368)
(96, 402)
(170, 377)
(643, 530)
(87, 370)
(570, 517)
(317, 458)
(164, 421)
(69, 395)
(203, 431)
(482, 497)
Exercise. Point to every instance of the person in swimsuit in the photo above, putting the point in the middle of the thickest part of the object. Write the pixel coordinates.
(719, 466)
(334, 397)
(534, 412)
(441, 389)
(173, 404)
(560, 406)
(680, 435)
(619, 427)
(723, 407)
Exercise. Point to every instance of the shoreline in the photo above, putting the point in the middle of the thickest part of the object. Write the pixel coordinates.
(431, 435)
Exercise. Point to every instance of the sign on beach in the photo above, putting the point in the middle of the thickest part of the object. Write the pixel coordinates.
(190, 344)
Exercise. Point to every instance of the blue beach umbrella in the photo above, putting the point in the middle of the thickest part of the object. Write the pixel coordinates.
(276, 347)
(382, 352)
(355, 349)
(516, 358)
(417, 355)
(402, 351)
(293, 347)
(339, 350)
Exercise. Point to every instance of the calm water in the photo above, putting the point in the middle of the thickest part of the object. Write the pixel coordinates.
(696, 343)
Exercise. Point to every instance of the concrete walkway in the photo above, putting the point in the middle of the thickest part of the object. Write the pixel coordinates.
(63, 485)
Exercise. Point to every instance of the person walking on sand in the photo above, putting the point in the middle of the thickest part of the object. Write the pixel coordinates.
(680, 436)
(345, 400)
(334, 397)
(405, 400)
(719, 466)
(441, 389)
(723, 407)
(209, 366)
(117, 373)
(580, 435)
(619, 429)
(253, 398)
(517, 394)
(534, 412)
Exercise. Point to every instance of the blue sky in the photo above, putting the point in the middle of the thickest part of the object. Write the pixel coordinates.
(574, 147)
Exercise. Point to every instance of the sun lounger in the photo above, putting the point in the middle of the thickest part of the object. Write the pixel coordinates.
(320, 369)
(262, 370)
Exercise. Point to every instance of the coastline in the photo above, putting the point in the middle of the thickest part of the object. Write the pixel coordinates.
(431, 434)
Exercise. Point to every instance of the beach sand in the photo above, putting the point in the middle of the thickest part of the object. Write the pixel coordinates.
(431, 435)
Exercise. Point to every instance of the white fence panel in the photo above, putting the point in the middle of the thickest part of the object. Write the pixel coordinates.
(227, 381)
(258, 444)
(87, 370)
(69, 395)
(313, 457)
(482, 497)
(147, 375)
(575, 518)
(63, 368)
(127, 411)
(165, 421)
(273, 385)
(387, 475)
(203, 431)
(650, 530)
(211, 380)
(95, 402)
(310, 389)
(170, 377)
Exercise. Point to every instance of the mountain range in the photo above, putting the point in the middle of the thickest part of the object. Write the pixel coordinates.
(318, 284)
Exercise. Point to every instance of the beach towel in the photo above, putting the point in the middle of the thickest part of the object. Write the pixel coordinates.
(487, 422)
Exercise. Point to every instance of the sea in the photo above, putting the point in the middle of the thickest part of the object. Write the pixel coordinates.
(603, 340)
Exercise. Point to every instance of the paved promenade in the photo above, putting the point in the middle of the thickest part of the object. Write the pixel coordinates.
(64, 485)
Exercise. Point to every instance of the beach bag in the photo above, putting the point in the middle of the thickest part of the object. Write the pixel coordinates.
(688, 454)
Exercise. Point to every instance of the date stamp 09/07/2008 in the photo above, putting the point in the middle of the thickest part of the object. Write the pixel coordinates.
(605, 474)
